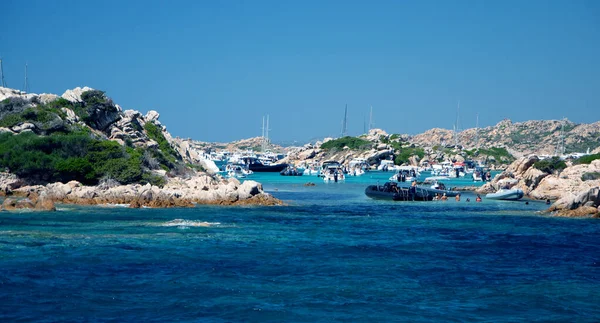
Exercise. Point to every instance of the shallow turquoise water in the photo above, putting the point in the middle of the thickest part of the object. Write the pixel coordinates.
(332, 254)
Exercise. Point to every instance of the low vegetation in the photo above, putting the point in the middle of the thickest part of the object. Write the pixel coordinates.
(168, 156)
(590, 176)
(499, 154)
(550, 165)
(403, 154)
(66, 157)
(353, 143)
(586, 159)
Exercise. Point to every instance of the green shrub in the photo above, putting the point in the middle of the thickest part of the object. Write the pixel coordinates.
(168, 153)
(590, 176)
(74, 168)
(65, 157)
(404, 154)
(500, 154)
(351, 142)
(153, 179)
(196, 167)
(94, 97)
(11, 120)
(587, 159)
(550, 165)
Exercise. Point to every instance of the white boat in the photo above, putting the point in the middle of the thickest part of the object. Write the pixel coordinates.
(237, 170)
(332, 171)
(355, 172)
(443, 169)
(357, 166)
(387, 165)
(406, 174)
(506, 194)
(311, 171)
(433, 179)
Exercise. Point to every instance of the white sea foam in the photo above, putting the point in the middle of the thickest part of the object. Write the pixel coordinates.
(114, 205)
(188, 223)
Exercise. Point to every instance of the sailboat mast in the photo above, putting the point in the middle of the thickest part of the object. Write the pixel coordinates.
(456, 125)
(26, 86)
(344, 122)
(2, 82)
(262, 144)
(477, 130)
(371, 119)
(267, 131)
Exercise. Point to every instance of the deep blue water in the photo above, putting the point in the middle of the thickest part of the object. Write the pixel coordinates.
(332, 254)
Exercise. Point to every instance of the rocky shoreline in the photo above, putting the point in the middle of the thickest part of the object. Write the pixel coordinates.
(573, 194)
(201, 189)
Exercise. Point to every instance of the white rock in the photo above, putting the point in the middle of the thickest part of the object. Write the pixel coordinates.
(46, 98)
(23, 127)
(74, 95)
(151, 116)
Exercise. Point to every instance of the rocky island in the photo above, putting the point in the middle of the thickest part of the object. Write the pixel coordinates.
(521, 150)
(82, 148)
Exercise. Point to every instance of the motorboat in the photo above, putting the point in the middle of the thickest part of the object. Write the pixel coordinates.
(481, 174)
(406, 174)
(332, 171)
(511, 194)
(237, 170)
(255, 165)
(357, 166)
(387, 165)
(292, 171)
(401, 192)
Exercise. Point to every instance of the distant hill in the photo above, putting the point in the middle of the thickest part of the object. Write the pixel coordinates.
(520, 138)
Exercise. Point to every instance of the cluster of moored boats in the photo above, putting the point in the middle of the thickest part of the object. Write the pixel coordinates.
(402, 185)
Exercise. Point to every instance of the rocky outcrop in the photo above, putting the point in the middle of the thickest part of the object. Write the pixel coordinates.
(44, 203)
(9, 182)
(194, 154)
(573, 194)
(179, 192)
(130, 127)
(74, 95)
(518, 174)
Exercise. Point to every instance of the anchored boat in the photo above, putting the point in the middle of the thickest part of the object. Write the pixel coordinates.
(506, 194)
(399, 192)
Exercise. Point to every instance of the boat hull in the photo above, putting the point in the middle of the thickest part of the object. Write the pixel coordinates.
(267, 168)
(508, 195)
(291, 172)
(403, 193)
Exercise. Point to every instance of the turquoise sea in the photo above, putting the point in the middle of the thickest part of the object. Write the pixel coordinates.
(331, 254)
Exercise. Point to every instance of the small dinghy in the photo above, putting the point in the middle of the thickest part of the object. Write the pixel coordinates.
(506, 194)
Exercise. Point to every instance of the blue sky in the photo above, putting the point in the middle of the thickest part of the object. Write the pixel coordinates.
(213, 69)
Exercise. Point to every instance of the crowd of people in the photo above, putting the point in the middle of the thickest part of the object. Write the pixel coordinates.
(444, 197)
